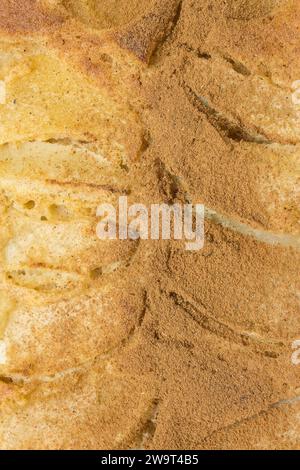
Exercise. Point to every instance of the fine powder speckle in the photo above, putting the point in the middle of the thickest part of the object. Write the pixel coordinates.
(142, 344)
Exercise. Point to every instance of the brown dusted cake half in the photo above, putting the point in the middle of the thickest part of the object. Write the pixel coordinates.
(141, 344)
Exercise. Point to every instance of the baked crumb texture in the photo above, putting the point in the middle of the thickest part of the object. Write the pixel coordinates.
(142, 345)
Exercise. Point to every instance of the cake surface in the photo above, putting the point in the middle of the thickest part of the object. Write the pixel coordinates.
(140, 344)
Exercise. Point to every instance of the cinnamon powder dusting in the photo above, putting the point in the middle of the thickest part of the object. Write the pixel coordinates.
(144, 345)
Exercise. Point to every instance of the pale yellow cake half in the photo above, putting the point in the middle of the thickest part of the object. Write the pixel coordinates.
(127, 344)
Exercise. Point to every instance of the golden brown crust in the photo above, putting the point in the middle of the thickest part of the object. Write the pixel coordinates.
(28, 16)
(145, 345)
(86, 403)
